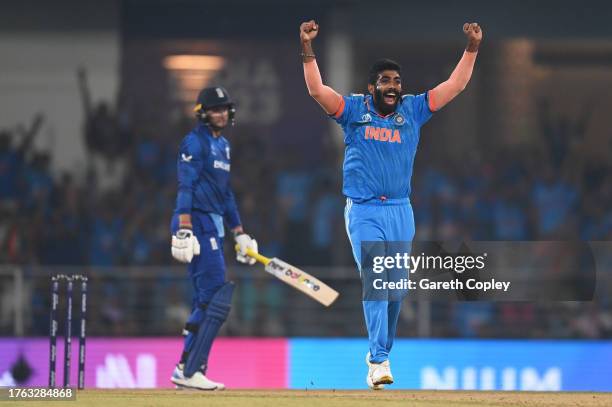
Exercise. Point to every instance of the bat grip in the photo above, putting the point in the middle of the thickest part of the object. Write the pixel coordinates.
(251, 253)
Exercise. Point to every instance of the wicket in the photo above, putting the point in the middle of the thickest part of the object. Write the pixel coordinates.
(55, 294)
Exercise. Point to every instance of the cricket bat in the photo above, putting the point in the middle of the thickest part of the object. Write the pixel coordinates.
(296, 278)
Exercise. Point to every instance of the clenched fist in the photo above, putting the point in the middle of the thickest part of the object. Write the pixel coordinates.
(473, 32)
(308, 31)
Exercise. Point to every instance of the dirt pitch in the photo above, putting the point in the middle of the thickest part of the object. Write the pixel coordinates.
(328, 398)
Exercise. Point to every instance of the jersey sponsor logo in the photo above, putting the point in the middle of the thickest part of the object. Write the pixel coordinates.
(186, 158)
(221, 165)
(382, 134)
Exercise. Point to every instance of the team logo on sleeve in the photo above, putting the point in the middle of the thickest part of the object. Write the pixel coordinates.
(186, 158)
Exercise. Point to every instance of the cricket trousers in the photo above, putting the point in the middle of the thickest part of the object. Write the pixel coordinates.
(379, 220)
(207, 270)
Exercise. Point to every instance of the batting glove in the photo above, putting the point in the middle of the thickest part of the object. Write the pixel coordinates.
(245, 242)
(185, 245)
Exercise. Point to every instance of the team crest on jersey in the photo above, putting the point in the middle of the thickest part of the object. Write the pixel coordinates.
(399, 119)
(366, 118)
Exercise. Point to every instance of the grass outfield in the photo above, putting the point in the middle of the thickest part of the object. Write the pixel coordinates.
(298, 398)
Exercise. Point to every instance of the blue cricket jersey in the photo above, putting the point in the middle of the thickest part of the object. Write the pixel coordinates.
(203, 169)
(379, 153)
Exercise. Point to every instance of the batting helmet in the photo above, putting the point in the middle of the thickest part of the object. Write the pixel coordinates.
(214, 97)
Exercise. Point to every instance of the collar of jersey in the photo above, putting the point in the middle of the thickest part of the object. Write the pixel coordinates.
(204, 130)
(373, 110)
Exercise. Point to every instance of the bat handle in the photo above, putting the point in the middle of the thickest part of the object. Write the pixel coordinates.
(251, 253)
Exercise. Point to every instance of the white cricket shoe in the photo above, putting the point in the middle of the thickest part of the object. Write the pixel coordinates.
(379, 374)
(197, 381)
(369, 381)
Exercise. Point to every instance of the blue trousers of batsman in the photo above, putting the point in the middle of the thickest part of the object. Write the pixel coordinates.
(211, 303)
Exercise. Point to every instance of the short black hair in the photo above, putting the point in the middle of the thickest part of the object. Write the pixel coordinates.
(382, 65)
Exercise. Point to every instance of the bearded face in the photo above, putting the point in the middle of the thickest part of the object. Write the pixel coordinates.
(387, 91)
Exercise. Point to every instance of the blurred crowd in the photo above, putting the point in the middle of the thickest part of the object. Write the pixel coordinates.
(117, 213)
(548, 190)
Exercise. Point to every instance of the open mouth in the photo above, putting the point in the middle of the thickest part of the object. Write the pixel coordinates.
(390, 98)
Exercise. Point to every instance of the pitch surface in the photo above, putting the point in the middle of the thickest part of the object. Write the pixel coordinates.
(328, 398)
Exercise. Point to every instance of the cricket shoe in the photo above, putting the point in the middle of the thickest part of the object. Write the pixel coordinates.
(378, 373)
(197, 381)
(369, 381)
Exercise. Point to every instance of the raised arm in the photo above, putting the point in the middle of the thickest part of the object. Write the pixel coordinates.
(329, 99)
(458, 80)
(84, 91)
(28, 135)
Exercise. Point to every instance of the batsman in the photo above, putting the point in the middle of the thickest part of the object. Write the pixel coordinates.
(204, 203)
(381, 134)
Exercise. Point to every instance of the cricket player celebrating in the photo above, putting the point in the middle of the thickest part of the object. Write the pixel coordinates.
(381, 133)
(205, 200)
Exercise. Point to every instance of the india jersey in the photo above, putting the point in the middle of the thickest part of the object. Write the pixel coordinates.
(379, 153)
